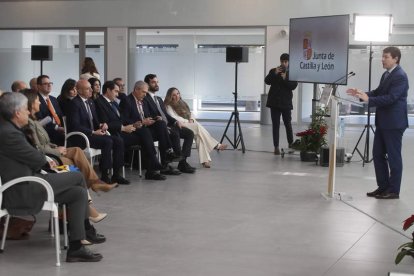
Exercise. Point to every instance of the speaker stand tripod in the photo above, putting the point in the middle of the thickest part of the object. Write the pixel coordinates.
(238, 135)
(368, 127)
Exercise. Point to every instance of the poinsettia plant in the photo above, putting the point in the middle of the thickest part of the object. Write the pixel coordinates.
(406, 248)
(312, 139)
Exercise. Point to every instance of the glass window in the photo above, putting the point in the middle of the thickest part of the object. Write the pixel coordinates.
(15, 56)
(194, 61)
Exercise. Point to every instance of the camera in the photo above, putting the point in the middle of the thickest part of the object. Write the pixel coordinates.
(282, 69)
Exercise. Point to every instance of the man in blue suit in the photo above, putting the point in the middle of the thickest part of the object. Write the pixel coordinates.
(390, 99)
(84, 118)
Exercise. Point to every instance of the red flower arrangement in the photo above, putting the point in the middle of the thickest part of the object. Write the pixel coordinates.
(312, 139)
(406, 248)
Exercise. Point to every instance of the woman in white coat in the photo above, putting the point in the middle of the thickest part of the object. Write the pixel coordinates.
(180, 111)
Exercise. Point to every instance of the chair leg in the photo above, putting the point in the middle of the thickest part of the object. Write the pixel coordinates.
(132, 159)
(52, 225)
(6, 228)
(57, 238)
(140, 163)
(65, 227)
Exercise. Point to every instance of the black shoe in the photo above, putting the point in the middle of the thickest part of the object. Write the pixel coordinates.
(120, 180)
(387, 195)
(374, 193)
(168, 170)
(152, 175)
(171, 156)
(94, 237)
(106, 179)
(83, 254)
(185, 167)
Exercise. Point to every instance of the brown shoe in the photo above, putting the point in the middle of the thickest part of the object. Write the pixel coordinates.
(277, 151)
(99, 185)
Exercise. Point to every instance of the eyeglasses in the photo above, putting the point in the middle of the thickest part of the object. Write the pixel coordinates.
(47, 83)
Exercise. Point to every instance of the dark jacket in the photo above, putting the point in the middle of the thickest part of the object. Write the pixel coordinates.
(19, 158)
(107, 115)
(390, 99)
(280, 92)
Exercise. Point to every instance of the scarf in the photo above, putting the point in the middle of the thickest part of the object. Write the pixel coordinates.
(182, 109)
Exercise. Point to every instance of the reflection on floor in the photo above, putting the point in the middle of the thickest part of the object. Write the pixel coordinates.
(250, 214)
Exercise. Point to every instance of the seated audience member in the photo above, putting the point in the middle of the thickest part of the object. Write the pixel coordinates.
(132, 135)
(50, 109)
(33, 84)
(135, 112)
(67, 93)
(39, 138)
(96, 87)
(69, 156)
(18, 85)
(83, 118)
(157, 110)
(179, 110)
(19, 158)
(122, 93)
(89, 69)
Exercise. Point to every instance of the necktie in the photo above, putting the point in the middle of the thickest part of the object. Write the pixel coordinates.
(164, 118)
(140, 110)
(114, 106)
(386, 74)
(88, 110)
(52, 112)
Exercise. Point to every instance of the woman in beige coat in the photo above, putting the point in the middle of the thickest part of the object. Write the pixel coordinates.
(180, 111)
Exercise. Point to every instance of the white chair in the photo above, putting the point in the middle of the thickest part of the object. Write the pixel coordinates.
(49, 205)
(91, 153)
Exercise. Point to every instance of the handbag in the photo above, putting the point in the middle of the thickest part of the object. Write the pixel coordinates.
(19, 227)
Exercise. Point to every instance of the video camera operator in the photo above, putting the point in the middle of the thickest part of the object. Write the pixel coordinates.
(280, 100)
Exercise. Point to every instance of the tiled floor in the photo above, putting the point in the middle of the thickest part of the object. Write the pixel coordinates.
(250, 214)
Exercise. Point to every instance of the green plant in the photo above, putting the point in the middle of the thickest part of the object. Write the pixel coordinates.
(312, 139)
(406, 248)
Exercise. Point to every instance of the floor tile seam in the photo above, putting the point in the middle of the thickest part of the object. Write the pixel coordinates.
(377, 220)
(352, 246)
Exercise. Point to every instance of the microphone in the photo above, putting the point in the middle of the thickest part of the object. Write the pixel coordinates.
(347, 76)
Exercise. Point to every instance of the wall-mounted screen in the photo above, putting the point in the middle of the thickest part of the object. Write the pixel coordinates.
(318, 48)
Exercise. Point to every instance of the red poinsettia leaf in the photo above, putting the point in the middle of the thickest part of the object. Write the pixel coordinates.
(408, 222)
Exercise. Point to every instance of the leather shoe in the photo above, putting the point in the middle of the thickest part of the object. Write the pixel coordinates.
(83, 254)
(152, 175)
(94, 237)
(277, 151)
(387, 195)
(374, 193)
(120, 180)
(106, 179)
(168, 170)
(185, 167)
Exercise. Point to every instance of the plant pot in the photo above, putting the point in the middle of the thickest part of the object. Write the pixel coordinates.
(306, 156)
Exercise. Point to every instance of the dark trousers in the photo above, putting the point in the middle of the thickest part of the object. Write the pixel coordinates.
(70, 189)
(160, 133)
(112, 148)
(387, 159)
(187, 135)
(287, 120)
(143, 137)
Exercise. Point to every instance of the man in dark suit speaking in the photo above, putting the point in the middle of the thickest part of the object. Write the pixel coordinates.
(390, 99)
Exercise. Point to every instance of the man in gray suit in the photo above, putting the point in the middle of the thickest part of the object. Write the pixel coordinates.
(19, 158)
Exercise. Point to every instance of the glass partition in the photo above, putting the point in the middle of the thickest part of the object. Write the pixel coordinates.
(15, 56)
(194, 61)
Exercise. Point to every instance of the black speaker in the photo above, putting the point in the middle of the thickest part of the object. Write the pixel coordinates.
(237, 54)
(324, 157)
(42, 52)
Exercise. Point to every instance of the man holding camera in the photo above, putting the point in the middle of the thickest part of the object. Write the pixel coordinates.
(279, 99)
